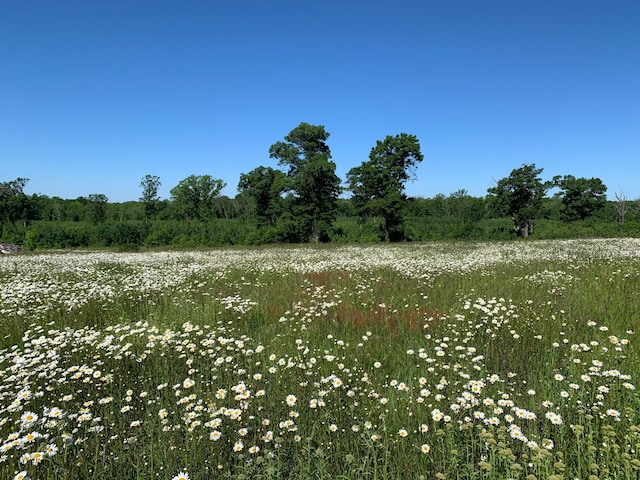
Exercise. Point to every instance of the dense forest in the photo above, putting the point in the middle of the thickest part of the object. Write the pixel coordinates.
(305, 201)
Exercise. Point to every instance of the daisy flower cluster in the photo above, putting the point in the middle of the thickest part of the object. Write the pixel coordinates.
(249, 363)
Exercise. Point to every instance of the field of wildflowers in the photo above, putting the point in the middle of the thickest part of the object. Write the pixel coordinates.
(444, 360)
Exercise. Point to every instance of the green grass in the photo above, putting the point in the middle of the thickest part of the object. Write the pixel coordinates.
(385, 360)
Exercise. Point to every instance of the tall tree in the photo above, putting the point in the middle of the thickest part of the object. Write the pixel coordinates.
(520, 196)
(14, 203)
(97, 207)
(311, 175)
(264, 186)
(150, 185)
(194, 197)
(378, 184)
(580, 197)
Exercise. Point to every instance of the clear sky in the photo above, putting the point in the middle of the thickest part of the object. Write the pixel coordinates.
(95, 94)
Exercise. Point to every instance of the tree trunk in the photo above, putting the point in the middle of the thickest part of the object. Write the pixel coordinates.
(522, 227)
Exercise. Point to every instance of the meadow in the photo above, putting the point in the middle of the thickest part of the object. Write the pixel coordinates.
(514, 360)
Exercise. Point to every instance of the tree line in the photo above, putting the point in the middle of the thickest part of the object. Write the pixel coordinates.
(304, 200)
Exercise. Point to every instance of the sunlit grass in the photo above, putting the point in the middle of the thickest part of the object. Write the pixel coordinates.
(443, 360)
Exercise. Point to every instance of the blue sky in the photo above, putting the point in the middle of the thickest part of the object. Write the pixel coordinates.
(96, 94)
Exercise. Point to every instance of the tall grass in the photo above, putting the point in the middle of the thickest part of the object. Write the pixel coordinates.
(470, 361)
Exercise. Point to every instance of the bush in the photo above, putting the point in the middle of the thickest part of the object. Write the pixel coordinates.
(131, 235)
(121, 234)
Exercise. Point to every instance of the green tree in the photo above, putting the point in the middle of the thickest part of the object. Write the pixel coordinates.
(378, 184)
(464, 207)
(74, 210)
(150, 185)
(13, 201)
(438, 206)
(264, 186)
(580, 197)
(194, 197)
(96, 207)
(311, 177)
(520, 196)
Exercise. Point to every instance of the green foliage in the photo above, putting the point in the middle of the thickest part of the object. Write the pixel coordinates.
(150, 198)
(194, 197)
(238, 231)
(97, 207)
(16, 206)
(378, 184)
(303, 204)
(264, 186)
(347, 230)
(465, 208)
(520, 196)
(581, 197)
(420, 229)
(125, 235)
(311, 177)
(54, 235)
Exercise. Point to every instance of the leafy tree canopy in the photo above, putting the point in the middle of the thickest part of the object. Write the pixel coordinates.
(14, 203)
(264, 185)
(303, 144)
(194, 197)
(150, 185)
(311, 177)
(96, 203)
(378, 184)
(581, 197)
(520, 196)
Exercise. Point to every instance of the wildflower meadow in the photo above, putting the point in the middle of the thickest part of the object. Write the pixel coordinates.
(515, 360)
